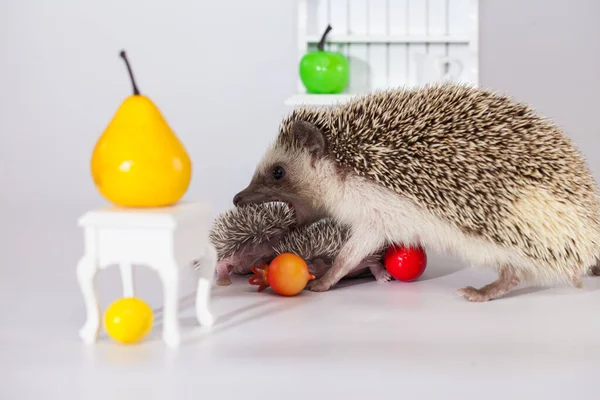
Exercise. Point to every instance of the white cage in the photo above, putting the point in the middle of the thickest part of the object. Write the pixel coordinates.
(391, 43)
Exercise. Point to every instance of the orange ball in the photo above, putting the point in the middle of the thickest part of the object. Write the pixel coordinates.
(288, 274)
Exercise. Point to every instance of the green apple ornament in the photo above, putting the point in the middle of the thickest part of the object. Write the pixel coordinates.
(324, 72)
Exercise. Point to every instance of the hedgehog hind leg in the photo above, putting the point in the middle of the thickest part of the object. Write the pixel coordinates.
(506, 281)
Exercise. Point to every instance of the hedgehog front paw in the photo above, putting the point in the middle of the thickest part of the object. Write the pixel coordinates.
(319, 285)
(382, 276)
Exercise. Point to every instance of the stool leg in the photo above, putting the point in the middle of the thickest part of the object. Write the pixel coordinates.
(127, 279)
(207, 270)
(169, 274)
(86, 273)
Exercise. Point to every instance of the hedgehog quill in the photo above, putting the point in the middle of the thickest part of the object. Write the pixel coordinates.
(257, 233)
(245, 236)
(449, 167)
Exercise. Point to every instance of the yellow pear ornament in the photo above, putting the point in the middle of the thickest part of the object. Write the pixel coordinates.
(139, 161)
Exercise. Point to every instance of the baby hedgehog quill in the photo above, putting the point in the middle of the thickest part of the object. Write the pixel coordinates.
(448, 167)
(319, 244)
(246, 236)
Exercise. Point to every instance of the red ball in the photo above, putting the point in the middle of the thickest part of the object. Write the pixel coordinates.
(405, 263)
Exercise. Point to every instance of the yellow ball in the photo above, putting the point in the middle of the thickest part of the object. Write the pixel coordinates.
(128, 320)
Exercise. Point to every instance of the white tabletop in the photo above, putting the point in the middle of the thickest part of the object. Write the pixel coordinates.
(166, 217)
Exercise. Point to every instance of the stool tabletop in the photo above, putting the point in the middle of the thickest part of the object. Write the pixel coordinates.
(146, 217)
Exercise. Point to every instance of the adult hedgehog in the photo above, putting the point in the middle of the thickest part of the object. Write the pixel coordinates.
(449, 167)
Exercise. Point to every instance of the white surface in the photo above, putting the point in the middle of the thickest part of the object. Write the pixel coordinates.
(367, 340)
(169, 217)
(164, 239)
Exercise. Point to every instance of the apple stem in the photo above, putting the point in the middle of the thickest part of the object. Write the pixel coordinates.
(321, 45)
(135, 88)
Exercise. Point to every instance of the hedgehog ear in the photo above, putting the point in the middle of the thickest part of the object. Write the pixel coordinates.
(309, 137)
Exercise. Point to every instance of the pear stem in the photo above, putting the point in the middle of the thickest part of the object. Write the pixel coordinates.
(321, 45)
(135, 88)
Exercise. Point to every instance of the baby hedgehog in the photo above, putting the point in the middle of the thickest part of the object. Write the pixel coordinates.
(449, 167)
(246, 236)
(319, 244)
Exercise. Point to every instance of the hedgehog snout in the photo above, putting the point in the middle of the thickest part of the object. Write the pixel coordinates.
(237, 199)
(253, 195)
(247, 196)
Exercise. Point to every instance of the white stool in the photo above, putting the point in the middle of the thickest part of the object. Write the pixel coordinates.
(164, 239)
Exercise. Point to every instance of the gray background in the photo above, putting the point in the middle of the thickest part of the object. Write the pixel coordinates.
(220, 71)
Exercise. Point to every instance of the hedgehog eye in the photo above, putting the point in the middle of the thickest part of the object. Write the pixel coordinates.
(278, 173)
